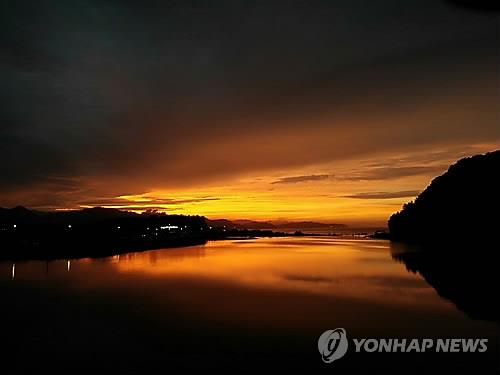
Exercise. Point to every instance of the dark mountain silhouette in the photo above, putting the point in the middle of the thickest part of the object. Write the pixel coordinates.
(252, 224)
(224, 224)
(96, 213)
(462, 206)
(94, 232)
(27, 234)
(21, 215)
(290, 226)
(305, 225)
(451, 235)
(18, 213)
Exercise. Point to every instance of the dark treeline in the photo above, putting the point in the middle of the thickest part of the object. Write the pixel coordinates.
(452, 232)
(461, 206)
(93, 232)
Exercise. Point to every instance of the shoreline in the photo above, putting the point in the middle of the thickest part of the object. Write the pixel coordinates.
(103, 250)
(80, 250)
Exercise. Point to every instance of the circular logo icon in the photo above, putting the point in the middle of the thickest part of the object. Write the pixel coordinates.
(332, 344)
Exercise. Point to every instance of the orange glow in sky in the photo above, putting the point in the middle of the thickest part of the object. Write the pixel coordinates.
(359, 192)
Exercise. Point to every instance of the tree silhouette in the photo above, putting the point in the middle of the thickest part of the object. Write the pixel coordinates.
(460, 206)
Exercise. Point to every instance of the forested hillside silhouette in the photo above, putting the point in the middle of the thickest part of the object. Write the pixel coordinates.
(462, 206)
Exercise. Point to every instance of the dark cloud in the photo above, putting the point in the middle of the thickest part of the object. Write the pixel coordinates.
(297, 179)
(149, 201)
(477, 5)
(387, 173)
(384, 194)
(124, 96)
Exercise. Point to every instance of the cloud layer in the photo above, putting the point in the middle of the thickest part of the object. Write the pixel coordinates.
(385, 194)
(102, 99)
(297, 179)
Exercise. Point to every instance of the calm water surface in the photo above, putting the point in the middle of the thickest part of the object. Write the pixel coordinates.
(235, 304)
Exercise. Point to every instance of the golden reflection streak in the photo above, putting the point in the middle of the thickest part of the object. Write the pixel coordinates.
(336, 268)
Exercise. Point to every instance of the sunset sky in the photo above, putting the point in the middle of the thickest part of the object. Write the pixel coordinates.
(336, 111)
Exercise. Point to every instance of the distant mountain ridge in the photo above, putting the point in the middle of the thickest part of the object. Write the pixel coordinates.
(460, 206)
(252, 224)
(21, 215)
(310, 225)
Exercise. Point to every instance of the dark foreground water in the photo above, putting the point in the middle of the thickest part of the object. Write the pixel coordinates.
(244, 305)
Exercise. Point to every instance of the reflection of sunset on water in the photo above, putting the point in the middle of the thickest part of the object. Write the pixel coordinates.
(356, 269)
(262, 289)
